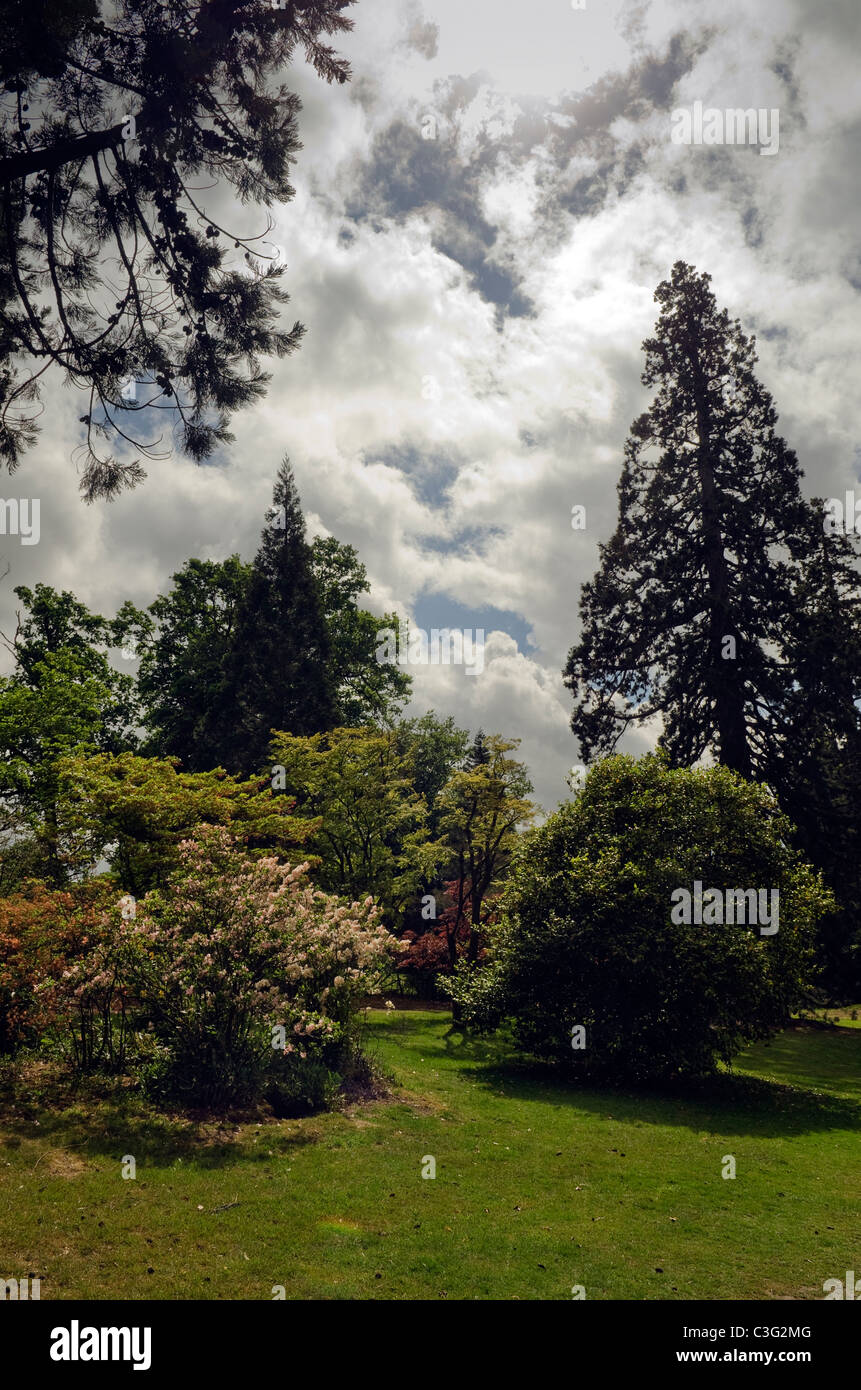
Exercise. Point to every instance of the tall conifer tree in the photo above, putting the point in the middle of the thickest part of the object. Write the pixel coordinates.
(278, 674)
(688, 616)
(723, 606)
(815, 766)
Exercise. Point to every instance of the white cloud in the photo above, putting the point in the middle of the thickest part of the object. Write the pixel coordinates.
(532, 409)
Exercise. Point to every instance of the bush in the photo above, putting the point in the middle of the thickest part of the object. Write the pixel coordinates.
(45, 935)
(587, 937)
(295, 1088)
(22, 1017)
(249, 976)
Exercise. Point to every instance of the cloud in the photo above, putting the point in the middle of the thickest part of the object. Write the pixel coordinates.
(475, 304)
(422, 34)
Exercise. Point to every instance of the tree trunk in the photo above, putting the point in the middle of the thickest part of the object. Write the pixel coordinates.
(723, 678)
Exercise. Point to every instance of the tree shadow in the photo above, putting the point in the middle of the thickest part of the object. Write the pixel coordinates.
(805, 1089)
(98, 1125)
(740, 1105)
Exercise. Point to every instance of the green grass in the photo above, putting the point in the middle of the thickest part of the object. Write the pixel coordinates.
(538, 1186)
(847, 1016)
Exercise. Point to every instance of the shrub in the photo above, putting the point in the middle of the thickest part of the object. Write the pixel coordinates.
(44, 936)
(295, 1088)
(232, 951)
(90, 1003)
(21, 1017)
(430, 953)
(587, 937)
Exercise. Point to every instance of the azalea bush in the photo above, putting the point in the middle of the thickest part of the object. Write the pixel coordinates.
(89, 999)
(246, 972)
(588, 938)
(452, 938)
(46, 936)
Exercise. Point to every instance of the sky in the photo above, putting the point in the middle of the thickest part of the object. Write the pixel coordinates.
(481, 218)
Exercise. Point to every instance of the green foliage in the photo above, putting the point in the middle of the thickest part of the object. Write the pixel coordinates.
(723, 608)
(60, 642)
(436, 747)
(294, 1087)
(63, 696)
(586, 936)
(688, 616)
(483, 807)
(184, 648)
(110, 267)
(21, 853)
(278, 672)
(372, 835)
(220, 618)
(367, 691)
(41, 722)
(815, 766)
(135, 811)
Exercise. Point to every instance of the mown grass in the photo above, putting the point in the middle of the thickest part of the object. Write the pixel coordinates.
(845, 1016)
(538, 1187)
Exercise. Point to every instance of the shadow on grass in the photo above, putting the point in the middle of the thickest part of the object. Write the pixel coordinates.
(107, 1120)
(790, 1086)
(801, 1092)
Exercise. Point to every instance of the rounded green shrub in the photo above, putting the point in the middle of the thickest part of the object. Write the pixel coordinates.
(593, 963)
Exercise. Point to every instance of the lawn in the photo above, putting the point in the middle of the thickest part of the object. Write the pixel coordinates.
(849, 1016)
(538, 1187)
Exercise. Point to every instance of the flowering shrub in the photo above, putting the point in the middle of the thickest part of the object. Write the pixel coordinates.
(44, 937)
(447, 942)
(242, 966)
(89, 1001)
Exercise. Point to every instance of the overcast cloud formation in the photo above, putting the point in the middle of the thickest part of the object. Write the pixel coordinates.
(475, 304)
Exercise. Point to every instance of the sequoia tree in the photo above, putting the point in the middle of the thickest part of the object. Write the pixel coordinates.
(688, 617)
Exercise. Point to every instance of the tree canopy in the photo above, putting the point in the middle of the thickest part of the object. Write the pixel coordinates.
(119, 121)
(689, 615)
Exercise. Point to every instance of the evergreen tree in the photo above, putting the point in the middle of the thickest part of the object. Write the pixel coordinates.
(185, 647)
(367, 691)
(479, 753)
(815, 766)
(116, 121)
(278, 672)
(723, 605)
(688, 616)
(188, 635)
